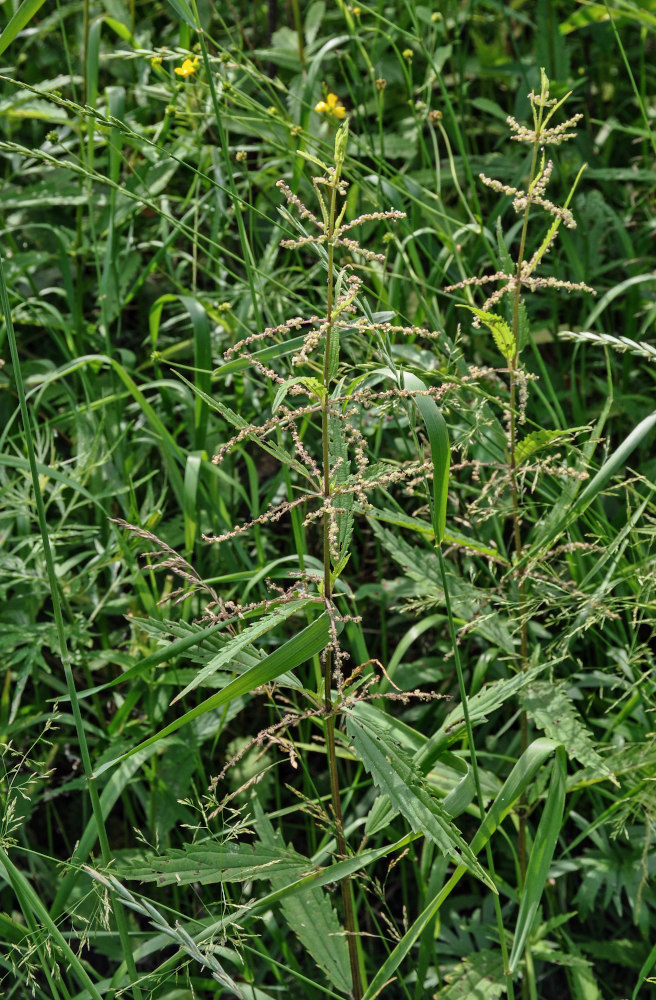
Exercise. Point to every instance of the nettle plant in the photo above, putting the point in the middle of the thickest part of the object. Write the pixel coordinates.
(318, 430)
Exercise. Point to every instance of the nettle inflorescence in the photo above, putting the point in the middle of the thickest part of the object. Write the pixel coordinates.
(522, 275)
(337, 480)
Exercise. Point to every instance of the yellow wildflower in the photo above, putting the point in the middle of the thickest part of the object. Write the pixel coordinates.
(188, 68)
(332, 105)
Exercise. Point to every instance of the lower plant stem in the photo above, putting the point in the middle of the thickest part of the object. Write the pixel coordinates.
(345, 884)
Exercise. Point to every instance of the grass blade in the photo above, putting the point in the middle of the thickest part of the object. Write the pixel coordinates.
(291, 654)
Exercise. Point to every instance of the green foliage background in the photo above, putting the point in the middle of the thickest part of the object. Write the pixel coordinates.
(140, 236)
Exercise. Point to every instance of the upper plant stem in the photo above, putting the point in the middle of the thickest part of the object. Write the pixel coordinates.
(345, 884)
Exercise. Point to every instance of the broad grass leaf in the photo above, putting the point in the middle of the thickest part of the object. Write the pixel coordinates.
(438, 439)
(310, 640)
(266, 354)
(541, 855)
(223, 658)
(507, 262)
(392, 770)
(21, 17)
(184, 12)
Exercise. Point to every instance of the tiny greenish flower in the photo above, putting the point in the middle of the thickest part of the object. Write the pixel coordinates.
(408, 54)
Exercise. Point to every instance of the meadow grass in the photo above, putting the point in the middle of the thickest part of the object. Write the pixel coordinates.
(327, 578)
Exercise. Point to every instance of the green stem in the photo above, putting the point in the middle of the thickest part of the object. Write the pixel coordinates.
(345, 884)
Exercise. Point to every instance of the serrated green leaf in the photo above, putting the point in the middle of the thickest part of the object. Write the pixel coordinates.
(480, 706)
(479, 976)
(533, 442)
(451, 537)
(391, 768)
(310, 915)
(212, 862)
(517, 782)
(503, 335)
(552, 711)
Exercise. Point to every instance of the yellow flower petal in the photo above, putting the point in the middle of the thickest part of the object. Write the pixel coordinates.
(188, 68)
(332, 100)
(321, 107)
(339, 111)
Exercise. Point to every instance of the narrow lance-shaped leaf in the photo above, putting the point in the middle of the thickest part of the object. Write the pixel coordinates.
(517, 782)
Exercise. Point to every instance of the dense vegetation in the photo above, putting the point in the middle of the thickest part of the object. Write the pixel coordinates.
(327, 589)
